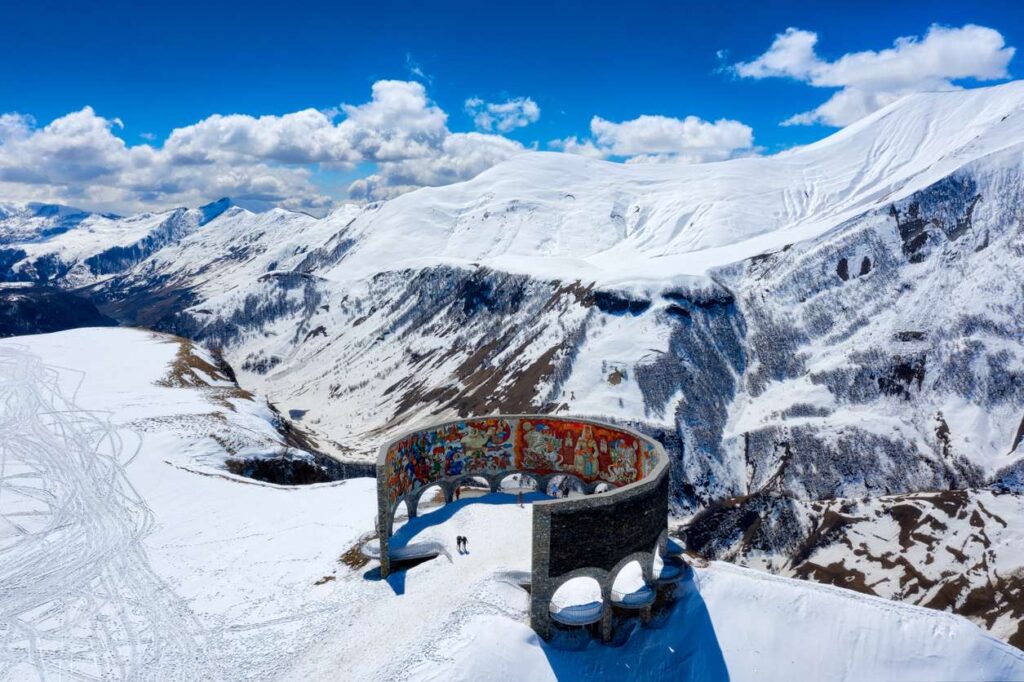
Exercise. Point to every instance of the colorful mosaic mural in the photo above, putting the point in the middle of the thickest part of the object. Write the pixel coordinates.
(493, 445)
(592, 452)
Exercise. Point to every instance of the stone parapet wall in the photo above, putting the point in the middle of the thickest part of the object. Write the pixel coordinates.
(594, 535)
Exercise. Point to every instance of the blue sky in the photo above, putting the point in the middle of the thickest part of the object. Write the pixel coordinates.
(147, 69)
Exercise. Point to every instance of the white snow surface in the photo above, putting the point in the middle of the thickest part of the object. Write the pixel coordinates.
(115, 562)
(560, 216)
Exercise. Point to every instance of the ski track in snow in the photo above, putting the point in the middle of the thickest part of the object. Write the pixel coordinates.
(78, 598)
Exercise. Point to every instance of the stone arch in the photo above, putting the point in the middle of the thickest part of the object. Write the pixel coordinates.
(577, 482)
(522, 474)
(638, 599)
(600, 578)
(543, 482)
(399, 506)
(459, 481)
(646, 561)
(417, 497)
(598, 574)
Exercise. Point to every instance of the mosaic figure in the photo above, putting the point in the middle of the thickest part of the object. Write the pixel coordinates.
(542, 447)
(649, 460)
(585, 460)
(623, 461)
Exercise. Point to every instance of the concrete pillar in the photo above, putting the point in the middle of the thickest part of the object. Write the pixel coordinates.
(495, 483)
(647, 569)
(541, 587)
(384, 521)
(540, 616)
(449, 493)
(606, 624)
(412, 504)
(384, 535)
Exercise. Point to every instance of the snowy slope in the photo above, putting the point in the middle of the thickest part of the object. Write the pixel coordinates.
(167, 387)
(125, 553)
(62, 245)
(33, 222)
(238, 249)
(739, 625)
(558, 215)
(894, 339)
(139, 567)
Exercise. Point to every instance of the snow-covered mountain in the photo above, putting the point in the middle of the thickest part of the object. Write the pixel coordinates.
(34, 222)
(55, 244)
(131, 555)
(840, 321)
(570, 217)
(704, 299)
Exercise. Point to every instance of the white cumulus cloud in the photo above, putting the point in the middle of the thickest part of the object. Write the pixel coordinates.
(503, 116)
(79, 158)
(662, 138)
(869, 80)
(460, 156)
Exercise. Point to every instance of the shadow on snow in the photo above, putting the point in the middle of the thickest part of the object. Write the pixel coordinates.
(681, 645)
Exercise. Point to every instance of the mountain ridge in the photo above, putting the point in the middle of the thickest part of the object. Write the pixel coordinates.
(852, 330)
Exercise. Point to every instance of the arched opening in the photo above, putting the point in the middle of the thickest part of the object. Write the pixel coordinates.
(399, 516)
(603, 487)
(471, 486)
(431, 498)
(566, 485)
(577, 602)
(518, 483)
(668, 569)
(629, 589)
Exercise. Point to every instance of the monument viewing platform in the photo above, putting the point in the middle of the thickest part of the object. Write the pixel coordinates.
(617, 524)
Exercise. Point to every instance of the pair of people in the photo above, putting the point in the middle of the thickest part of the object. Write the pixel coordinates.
(460, 542)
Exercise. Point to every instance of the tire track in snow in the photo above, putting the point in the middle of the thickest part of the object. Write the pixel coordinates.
(78, 598)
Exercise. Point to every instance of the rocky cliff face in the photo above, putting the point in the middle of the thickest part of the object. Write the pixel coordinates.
(891, 362)
(903, 371)
(41, 310)
(952, 550)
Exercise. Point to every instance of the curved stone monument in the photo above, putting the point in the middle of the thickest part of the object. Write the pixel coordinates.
(595, 535)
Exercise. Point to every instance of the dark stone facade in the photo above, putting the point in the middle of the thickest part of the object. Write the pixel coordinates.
(600, 536)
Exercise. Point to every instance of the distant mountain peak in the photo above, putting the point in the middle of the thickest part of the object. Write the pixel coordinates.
(41, 210)
(214, 209)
